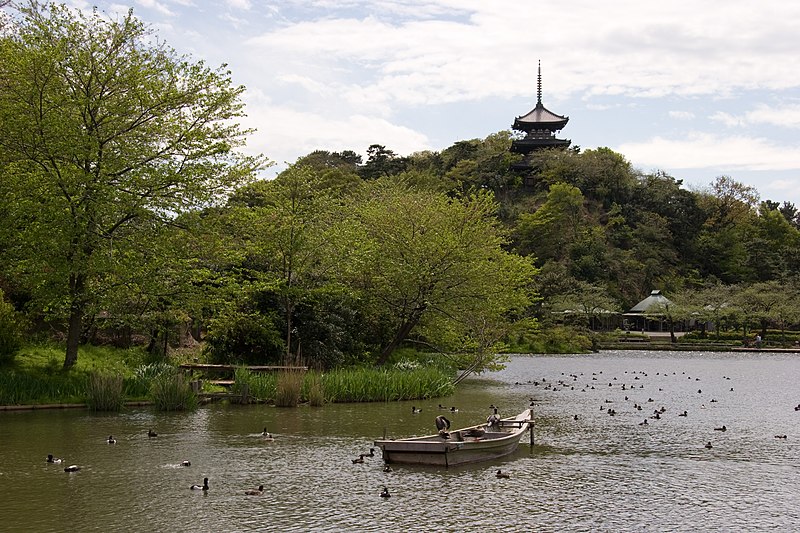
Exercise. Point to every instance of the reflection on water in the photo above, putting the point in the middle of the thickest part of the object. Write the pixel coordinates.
(596, 473)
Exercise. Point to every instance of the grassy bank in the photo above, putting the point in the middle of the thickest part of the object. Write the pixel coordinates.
(104, 377)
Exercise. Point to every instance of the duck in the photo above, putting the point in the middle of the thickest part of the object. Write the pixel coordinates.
(111, 440)
(267, 435)
(502, 475)
(186, 463)
(255, 492)
(359, 460)
(414, 410)
(684, 414)
(723, 428)
(371, 453)
(387, 468)
(643, 423)
(72, 468)
(494, 418)
(454, 409)
(385, 493)
(780, 436)
(442, 407)
(708, 445)
(203, 487)
(51, 459)
(151, 433)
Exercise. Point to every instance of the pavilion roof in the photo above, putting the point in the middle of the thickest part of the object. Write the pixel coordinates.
(655, 299)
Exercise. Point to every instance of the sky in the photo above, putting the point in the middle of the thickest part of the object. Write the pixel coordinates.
(693, 89)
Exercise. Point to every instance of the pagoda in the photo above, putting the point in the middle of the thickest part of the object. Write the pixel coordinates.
(540, 126)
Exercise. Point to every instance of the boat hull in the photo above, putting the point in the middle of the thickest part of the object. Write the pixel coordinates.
(458, 450)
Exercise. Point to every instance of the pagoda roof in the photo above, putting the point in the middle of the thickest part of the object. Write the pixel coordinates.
(540, 118)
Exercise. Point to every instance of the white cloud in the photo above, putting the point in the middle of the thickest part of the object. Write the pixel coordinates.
(706, 150)
(787, 116)
(681, 115)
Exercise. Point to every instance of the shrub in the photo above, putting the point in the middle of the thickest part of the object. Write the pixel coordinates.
(10, 331)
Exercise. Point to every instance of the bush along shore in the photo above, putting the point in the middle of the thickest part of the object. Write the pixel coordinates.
(108, 379)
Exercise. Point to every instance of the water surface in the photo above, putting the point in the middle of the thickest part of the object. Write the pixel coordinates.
(596, 473)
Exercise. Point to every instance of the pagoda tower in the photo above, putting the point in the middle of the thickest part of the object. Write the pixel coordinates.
(539, 126)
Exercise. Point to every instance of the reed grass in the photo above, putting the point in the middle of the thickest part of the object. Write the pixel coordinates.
(261, 386)
(171, 391)
(28, 388)
(386, 384)
(314, 389)
(288, 387)
(105, 392)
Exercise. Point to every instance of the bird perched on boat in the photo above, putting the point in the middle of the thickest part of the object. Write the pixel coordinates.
(502, 475)
(723, 428)
(71, 468)
(385, 493)
(359, 460)
(493, 419)
(204, 486)
(443, 424)
(111, 439)
(255, 492)
(186, 463)
(708, 445)
(414, 410)
(473, 432)
(151, 433)
(51, 459)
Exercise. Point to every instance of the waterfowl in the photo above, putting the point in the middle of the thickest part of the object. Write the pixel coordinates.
(71, 468)
(494, 418)
(780, 436)
(385, 493)
(186, 463)
(723, 428)
(442, 407)
(51, 459)
(643, 423)
(371, 453)
(502, 475)
(414, 410)
(255, 492)
(111, 439)
(204, 486)
(151, 433)
(454, 409)
(387, 468)
(443, 424)
(267, 435)
(708, 445)
(684, 414)
(359, 460)
(575, 417)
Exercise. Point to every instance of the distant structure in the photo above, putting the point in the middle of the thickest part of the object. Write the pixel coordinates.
(646, 314)
(539, 126)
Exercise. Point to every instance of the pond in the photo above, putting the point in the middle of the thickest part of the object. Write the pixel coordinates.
(595, 473)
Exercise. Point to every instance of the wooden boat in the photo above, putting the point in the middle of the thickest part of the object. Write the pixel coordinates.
(468, 445)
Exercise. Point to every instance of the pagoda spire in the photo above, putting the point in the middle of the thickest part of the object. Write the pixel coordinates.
(539, 85)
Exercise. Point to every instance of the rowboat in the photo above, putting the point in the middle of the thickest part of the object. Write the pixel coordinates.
(482, 442)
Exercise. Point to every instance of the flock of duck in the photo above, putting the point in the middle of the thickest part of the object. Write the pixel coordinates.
(152, 434)
(565, 384)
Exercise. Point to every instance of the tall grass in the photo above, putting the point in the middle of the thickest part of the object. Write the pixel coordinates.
(386, 384)
(288, 387)
(314, 389)
(104, 392)
(28, 387)
(261, 386)
(171, 391)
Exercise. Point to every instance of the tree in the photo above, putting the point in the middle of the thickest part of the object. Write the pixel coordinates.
(436, 264)
(104, 130)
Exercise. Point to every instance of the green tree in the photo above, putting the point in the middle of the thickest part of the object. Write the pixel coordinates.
(436, 262)
(103, 130)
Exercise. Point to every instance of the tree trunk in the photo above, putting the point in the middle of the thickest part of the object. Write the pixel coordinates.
(75, 326)
(401, 335)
